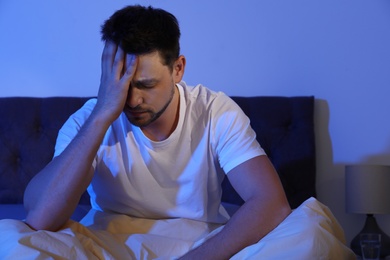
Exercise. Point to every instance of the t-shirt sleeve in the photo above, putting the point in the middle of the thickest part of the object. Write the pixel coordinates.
(72, 126)
(234, 139)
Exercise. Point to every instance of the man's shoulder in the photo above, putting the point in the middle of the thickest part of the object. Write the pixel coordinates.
(200, 94)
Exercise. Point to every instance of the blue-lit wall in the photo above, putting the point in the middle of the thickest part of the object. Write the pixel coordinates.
(336, 50)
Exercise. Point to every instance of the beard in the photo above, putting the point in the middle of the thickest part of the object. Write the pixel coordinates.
(147, 116)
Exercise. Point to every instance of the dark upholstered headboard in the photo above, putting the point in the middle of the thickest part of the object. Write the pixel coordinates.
(284, 127)
(28, 132)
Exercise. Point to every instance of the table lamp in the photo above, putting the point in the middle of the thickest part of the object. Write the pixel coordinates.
(368, 192)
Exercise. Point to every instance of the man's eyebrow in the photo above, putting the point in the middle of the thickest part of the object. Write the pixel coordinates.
(145, 81)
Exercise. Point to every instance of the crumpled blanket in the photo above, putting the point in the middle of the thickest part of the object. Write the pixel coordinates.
(309, 232)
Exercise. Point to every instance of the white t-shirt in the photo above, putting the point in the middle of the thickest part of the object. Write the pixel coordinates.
(179, 177)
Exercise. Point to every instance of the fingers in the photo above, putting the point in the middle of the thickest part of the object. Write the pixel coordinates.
(119, 61)
(108, 56)
(131, 65)
(116, 62)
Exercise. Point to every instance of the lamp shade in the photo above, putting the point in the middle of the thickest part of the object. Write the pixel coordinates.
(367, 189)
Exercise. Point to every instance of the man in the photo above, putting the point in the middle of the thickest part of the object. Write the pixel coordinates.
(151, 147)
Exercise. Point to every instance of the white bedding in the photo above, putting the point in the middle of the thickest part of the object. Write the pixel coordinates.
(310, 232)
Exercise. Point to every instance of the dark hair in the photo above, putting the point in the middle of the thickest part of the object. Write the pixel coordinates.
(141, 30)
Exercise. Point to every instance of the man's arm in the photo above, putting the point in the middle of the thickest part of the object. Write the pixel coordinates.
(265, 207)
(53, 194)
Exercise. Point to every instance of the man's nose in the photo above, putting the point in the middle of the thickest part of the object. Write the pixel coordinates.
(134, 97)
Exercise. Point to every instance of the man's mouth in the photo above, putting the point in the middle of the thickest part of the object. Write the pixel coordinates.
(135, 112)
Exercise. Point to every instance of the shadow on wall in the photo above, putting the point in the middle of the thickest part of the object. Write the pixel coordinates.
(331, 177)
(380, 159)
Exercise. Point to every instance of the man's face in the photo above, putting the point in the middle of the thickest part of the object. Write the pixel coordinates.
(151, 91)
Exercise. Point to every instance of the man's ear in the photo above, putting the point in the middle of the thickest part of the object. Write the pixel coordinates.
(178, 69)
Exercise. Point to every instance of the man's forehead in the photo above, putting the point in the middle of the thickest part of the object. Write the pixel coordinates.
(149, 66)
(154, 55)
